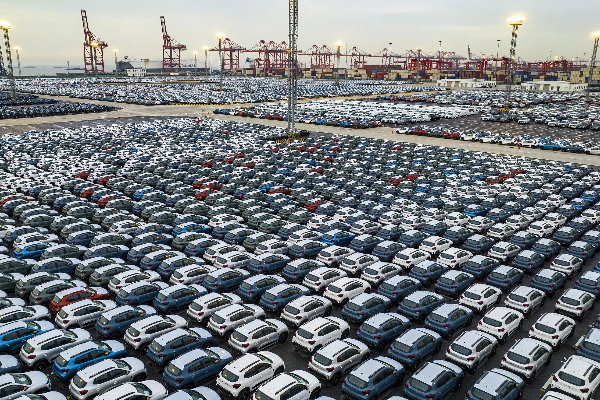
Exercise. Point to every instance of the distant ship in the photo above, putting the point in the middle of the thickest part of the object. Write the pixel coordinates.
(74, 68)
(54, 67)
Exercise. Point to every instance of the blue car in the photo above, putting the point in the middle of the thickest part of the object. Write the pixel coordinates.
(390, 232)
(177, 297)
(590, 346)
(546, 247)
(365, 243)
(414, 346)
(412, 238)
(434, 380)
(254, 287)
(113, 323)
(296, 270)
(237, 236)
(480, 266)
(387, 249)
(13, 335)
(268, 263)
(152, 261)
(381, 329)
(81, 238)
(505, 277)
(458, 234)
(364, 306)
(172, 344)
(56, 265)
(9, 364)
(524, 239)
(191, 227)
(71, 361)
(428, 272)
(169, 265)
(277, 297)
(107, 251)
(566, 235)
(194, 367)
(590, 282)
(448, 318)
(152, 237)
(581, 249)
(337, 237)
(419, 304)
(478, 244)
(548, 281)
(372, 378)
(306, 249)
(497, 384)
(398, 287)
(224, 279)
(199, 246)
(453, 282)
(31, 250)
(528, 261)
(475, 210)
(137, 253)
(142, 292)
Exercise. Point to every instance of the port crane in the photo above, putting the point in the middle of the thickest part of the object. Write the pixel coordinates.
(93, 49)
(171, 50)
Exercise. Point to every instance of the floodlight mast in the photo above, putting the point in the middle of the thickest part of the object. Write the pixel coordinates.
(293, 73)
(596, 36)
(515, 22)
(5, 26)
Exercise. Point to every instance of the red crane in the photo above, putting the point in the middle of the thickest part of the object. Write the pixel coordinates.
(231, 54)
(93, 49)
(171, 50)
(320, 57)
(358, 58)
(271, 55)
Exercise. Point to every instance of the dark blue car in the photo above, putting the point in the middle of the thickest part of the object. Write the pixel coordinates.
(268, 263)
(398, 287)
(442, 379)
(448, 318)
(296, 270)
(528, 261)
(387, 249)
(177, 342)
(414, 346)
(372, 378)
(581, 249)
(390, 232)
(590, 282)
(548, 281)
(306, 249)
(453, 282)
(177, 297)
(224, 279)
(113, 323)
(428, 271)
(566, 235)
(480, 266)
(277, 297)
(254, 287)
(365, 243)
(381, 329)
(142, 292)
(419, 304)
(194, 367)
(364, 306)
(13, 335)
(505, 277)
(546, 247)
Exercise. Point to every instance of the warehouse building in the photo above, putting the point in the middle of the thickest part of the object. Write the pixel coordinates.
(553, 86)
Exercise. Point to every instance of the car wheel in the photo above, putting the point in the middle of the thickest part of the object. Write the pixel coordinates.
(531, 379)
(40, 365)
(416, 365)
(474, 368)
(140, 377)
(283, 337)
(244, 394)
(502, 340)
(345, 334)
(335, 379)
(315, 393)
(387, 308)
(450, 334)
(327, 312)
(459, 384)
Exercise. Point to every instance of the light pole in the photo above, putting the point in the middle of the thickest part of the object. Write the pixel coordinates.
(205, 48)
(337, 56)
(5, 26)
(497, 53)
(418, 62)
(596, 36)
(116, 62)
(515, 22)
(195, 63)
(440, 61)
(95, 67)
(220, 37)
(390, 56)
(18, 59)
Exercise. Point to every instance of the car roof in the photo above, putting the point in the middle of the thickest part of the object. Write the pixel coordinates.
(494, 379)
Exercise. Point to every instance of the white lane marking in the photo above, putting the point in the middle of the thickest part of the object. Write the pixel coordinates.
(546, 385)
(579, 341)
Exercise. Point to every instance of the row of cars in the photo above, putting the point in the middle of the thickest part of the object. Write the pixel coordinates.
(303, 252)
(171, 90)
(46, 110)
(354, 114)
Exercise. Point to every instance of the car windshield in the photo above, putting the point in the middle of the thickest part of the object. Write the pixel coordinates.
(239, 337)
(421, 386)
(419, 270)
(292, 310)
(593, 347)
(562, 263)
(498, 275)
(353, 306)
(437, 318)
(156, 346)
(359, 383)
(77, 381)
(519, 359)
(334, 289)
(321, 359)
(409, 303)
(446, 281)
(387, 286)
(229, 376)
(498, 249)
(133, 332)
(569, 301)
(472, 296)
(123, 293)
(60, 361)
(543, 279)
(573, 380)
(369, 329)
(517, 298)
(217, 319)
(173, 370)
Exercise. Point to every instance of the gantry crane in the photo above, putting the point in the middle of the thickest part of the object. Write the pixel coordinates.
(171, 50)
(93, 49)
(596, 37)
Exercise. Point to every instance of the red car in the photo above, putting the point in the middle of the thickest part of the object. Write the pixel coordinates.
(494, 180)
(200, 183)
(208, 164)
(229, 160)
(6, 199)
(104, 200)
(318, 170)
(88, 192)
(214, 185)
(280, 189)
(70, 296)
(83, 174)
(202, 194)
(411, 176)
(313, 204)
(249, 164)
(451, 135)
(504, 175)
(395, 181)
(104, 179)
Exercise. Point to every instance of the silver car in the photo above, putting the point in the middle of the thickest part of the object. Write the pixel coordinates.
(205, 306)
(226, 320)
(527, 357)
(305, 308)
(471, 348)
(141, 333)
(39, 351)
(258, 335)
(16, 385)
(83, 313)
(150, 390)
(525, 299)
(191, 274)
(339, 356)
(97, 378)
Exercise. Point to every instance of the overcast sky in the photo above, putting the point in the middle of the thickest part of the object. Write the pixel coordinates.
(50, 32)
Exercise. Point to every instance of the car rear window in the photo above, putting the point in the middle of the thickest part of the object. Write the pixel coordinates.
(421, 386)
(359, 383)
(573, 380)
(461, 349)
(519, 359)
(545, 328)
(491, 321)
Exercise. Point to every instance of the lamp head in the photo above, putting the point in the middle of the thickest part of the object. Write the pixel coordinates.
(17, 48)
(220, 36)
(516, 21)
(4, 25)
(596, 35)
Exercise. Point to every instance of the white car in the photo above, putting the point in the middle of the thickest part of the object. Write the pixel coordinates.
(552, 328)
(332, 255)
(525, 299)
(471, 348)
(236, 259)
(355, 263)
(142, 332)
(342, 290)
(318, 220)
(257, 335)
(556, 200)
(504, 251)
(454, 257)
(305, 308)
(379, 271)
(242, 375)
(133, 276)
(518, 221)
(24, 383)
(274, 246)
(151, 390)
(501, 322)
(408, 258)
(480, 224)
(435, 244)
(295, 385)
(456, 219)
(575, 302)
(365, 227)
(579, 377)
(204, 306)
(39, 351)
(532, 213)
(591, 215)
(316, 333)
(304, 235)
(191, 274)
(501, 231)
(542, 228)
(318, 279)
(329, 363)
(23, 313)
(213, 252)
(567, 264)
(222, 219)
(526, 357)
(227, 319)
(480, 297)
(83, 313)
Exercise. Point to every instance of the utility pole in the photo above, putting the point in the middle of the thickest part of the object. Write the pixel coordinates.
(418, 63)
(195, 63)
(116, 62)
(515, 22)
(18, 59)
(293, 65)
(221, 37)
(337, 56)
(440, 61)
(596, 37)
(5, 26)
(497, 53)
(205, 48)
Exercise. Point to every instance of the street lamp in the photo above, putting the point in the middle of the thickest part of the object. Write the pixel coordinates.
(206, 70)
(5, 26)
(18, 59)
(497, 53)
(419, 49)
(220, 36)
(116, 62)
(515, 22)
(94, 67)
(195, 63)
(337, 56)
